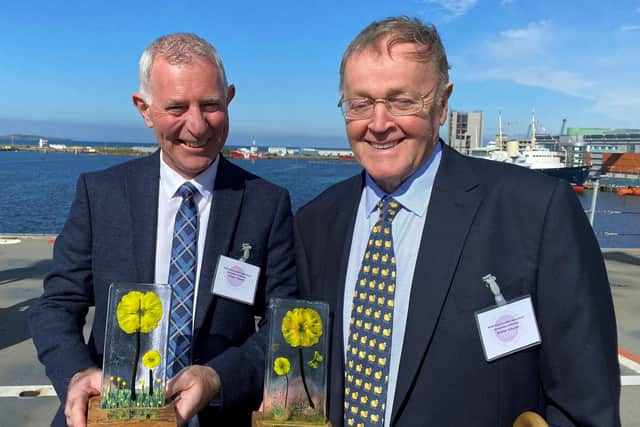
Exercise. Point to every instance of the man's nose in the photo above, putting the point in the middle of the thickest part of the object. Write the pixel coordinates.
(381, 119)
(197, 124)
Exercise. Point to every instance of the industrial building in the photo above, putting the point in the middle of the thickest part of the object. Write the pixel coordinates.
(465, 130)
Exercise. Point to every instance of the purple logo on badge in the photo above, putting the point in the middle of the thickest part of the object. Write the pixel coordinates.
(236, 275)
(506, 328)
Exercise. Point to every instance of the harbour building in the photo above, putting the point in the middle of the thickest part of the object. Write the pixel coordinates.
(613, 152)
(465, 130)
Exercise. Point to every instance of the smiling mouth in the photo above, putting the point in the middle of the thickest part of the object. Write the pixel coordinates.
(384, 145)
(194, 144)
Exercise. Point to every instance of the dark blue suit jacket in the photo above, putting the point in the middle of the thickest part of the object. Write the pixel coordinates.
(528, 230)
(110, 236)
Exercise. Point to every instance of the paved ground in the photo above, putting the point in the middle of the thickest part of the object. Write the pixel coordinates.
(623, 267)
(23, 265)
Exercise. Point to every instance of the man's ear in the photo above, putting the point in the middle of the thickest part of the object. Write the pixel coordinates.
(444, 107)
(143, 108)
(231, 92)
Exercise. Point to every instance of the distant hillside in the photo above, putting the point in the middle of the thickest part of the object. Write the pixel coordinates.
(33, 138)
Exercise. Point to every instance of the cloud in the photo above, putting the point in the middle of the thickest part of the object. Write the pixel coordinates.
(543, 56)
(505, 2)
(520, 42)
(630, 28)
(543, 76)
(452, 8)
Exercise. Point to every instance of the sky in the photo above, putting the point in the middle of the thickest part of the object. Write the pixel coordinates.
(68, 69)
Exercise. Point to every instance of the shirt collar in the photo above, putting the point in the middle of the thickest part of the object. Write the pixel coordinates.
(171, 181)
(414, 193)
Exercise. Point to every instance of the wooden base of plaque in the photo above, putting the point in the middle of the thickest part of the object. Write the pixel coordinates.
(98, 417)
(256, 421)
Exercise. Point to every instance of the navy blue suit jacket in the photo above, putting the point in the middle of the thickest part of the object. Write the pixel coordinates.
(110, 236)
(528, 230)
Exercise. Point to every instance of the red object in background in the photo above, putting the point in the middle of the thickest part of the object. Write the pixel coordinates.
(578, 188)
(629, 191)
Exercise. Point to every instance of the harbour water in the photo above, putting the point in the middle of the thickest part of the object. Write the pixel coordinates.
(37, 190)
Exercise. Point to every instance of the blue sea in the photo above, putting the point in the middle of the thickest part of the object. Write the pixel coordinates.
(37, 190)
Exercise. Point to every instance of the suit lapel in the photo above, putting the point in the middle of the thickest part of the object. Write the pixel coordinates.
(225, 210)
(454, 201)
(345, 207)
(142, 189)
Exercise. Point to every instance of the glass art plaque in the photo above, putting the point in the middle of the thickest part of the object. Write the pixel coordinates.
(133, 373)
(296, 372)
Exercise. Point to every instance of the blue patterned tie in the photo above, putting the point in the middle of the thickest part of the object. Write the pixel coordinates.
(369, 341)
(182, 278)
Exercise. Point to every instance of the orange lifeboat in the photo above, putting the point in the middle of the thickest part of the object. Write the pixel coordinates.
(636, 191)
(625, 191)
(578, 188)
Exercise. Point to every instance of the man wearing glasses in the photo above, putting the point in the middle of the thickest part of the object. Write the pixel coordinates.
(458, 299)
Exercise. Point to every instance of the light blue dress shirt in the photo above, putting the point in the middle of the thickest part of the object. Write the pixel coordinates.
(413, 195)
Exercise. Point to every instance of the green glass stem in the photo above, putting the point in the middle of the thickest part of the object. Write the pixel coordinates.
(286, 393)
(304, 380)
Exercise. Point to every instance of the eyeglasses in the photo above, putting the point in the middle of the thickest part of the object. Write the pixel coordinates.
(402, 104)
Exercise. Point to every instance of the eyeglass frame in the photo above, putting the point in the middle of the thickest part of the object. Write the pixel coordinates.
(386, 103)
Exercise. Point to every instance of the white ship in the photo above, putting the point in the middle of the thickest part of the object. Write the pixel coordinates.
(532, 157)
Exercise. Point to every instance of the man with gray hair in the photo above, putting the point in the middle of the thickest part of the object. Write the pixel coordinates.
(169, 218)
(464, 292)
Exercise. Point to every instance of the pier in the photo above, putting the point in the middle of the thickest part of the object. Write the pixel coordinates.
(82, 149)
(28, 400)
(144, 150)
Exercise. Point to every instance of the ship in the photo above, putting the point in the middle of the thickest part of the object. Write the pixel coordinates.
(251, 153)
(550, 163)
(532, 157)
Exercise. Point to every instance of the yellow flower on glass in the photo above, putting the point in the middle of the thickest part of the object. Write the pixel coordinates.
(302, 327)
(138, 311)
(281, 366)
(151, 359)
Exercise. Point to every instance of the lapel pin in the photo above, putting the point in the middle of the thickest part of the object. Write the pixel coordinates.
(246, 248)
(490, 282)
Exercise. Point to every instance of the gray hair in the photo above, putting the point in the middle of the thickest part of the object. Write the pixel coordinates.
(402, 29)
(176, 49)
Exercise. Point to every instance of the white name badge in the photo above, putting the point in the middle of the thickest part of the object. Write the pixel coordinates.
(235, 279)
(508, 328)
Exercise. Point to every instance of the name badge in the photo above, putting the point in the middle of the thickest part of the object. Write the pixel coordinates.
(236, 279)
(508, 328)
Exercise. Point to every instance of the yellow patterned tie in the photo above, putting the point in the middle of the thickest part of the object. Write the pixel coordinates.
(369, 342)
